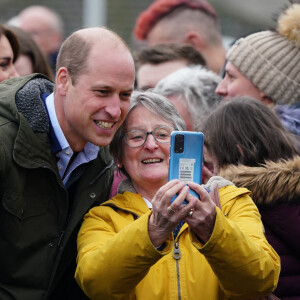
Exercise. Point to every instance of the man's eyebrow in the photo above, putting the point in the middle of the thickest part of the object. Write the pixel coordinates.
(108, 87)
(99, 86)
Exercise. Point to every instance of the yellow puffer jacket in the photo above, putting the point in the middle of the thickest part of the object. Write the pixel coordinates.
(116, 259)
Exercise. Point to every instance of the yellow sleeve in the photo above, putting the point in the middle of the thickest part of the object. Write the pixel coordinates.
(114, 254)
(238, 251)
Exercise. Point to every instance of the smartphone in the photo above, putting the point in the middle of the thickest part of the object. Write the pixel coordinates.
(186, 156)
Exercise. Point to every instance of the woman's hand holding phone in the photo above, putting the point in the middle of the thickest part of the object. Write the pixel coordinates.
(203, 218)
(166, 215)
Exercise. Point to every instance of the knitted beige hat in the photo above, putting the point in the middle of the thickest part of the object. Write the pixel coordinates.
(271, 59)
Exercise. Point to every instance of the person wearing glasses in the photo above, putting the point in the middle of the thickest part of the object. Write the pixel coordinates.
(138, 245)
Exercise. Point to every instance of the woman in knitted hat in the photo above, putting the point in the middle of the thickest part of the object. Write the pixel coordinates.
(266, 65)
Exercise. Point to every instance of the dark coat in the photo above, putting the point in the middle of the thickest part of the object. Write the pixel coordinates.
(275, 188)
(40, 218)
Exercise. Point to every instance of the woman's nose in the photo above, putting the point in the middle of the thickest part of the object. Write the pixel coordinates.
(221, 88)
(151, 142)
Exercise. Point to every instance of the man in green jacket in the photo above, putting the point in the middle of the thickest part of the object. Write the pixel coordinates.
(54, 163)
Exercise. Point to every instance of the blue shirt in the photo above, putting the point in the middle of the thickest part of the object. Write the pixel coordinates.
(64, 154)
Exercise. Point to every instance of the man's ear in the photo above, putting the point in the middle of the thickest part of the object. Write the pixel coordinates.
(63, 81)
(194, 39)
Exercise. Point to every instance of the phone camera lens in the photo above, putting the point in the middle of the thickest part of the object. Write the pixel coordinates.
(179, 143)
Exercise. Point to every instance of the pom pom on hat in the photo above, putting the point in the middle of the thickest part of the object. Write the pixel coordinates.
(289, 24)
(271, 59)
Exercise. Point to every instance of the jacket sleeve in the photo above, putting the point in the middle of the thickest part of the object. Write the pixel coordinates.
(110, 264)
(238, 252)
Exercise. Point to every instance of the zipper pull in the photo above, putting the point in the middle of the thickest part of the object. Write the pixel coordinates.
(176, 252)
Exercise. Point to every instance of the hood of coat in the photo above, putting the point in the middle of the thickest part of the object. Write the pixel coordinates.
(269, 183)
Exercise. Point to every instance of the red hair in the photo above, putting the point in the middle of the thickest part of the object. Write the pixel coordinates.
(159, 8)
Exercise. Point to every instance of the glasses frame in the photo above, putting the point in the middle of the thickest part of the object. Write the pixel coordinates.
(147, 134)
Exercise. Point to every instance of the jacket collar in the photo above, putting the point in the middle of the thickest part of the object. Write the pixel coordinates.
(20, 104)
(33, 125)
(269, 183)
(126, 185)
(129, 201)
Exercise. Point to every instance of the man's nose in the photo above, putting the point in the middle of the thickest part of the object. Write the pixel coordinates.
(114, 107)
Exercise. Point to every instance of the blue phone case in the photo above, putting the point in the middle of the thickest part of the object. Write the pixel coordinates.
(185, 160)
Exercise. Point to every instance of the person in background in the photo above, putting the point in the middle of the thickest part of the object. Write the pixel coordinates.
(31, 58)
(138, 245)
(192, 91)
(247, 144)
(193, 22)
(9, 52)
(156, 62)
(54, 160)
(46, 27)
(266, 65)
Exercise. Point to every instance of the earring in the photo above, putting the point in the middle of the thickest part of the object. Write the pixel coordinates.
(119, 166)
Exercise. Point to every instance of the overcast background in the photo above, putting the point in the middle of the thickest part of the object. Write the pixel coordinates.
(237, 17)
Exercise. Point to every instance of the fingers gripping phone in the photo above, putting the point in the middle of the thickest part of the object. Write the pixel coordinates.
(186, 156)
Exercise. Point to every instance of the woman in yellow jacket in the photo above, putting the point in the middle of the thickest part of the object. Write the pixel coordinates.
(139, 246)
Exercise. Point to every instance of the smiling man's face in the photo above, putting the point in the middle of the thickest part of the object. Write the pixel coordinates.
(95, 106)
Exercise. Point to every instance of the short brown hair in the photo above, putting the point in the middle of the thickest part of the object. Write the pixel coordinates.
(161, 53)
(75, 50)
(255, 128)
(13, 40)
(73, 55)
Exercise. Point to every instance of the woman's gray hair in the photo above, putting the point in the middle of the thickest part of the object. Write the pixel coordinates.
(155, 103)
(195, 86)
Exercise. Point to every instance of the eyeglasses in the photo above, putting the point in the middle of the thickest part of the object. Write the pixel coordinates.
(137, 138)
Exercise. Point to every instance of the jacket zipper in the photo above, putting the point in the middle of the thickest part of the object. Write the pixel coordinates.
(177, 256)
